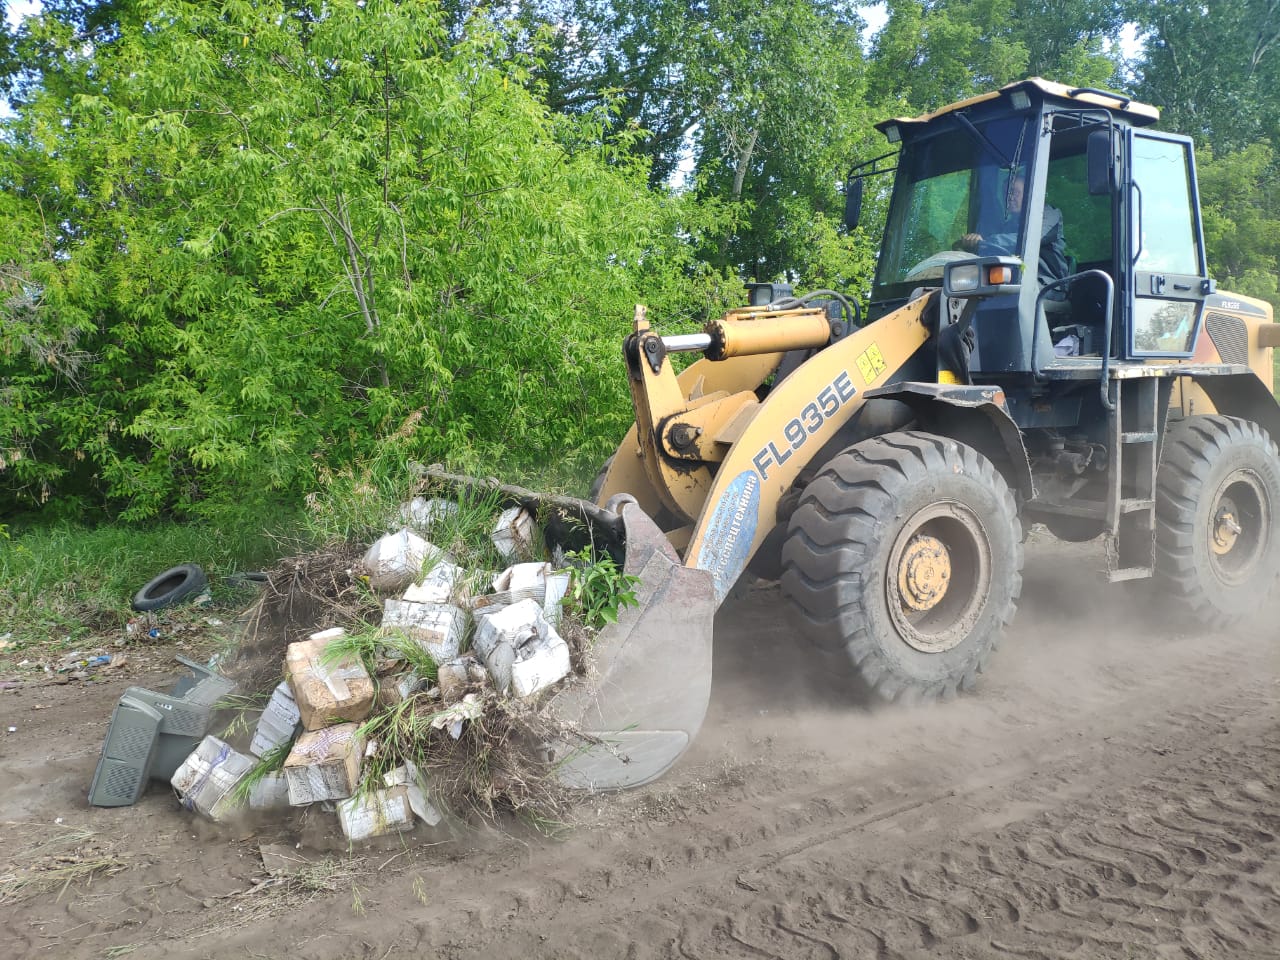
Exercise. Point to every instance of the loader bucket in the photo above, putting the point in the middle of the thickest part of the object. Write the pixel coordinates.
(646, 693)
(652, 681)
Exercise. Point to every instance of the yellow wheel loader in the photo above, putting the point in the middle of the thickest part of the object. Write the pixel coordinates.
(1042, 343)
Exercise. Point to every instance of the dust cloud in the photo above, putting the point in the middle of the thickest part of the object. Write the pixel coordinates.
(1078, 645)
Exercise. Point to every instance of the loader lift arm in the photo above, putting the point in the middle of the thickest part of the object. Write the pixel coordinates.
(719, 462)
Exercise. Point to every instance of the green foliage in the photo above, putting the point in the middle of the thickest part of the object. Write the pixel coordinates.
(1240, 198)
(1213, 69)
(1071, 41)
(257, 242)
(930, 54)
(277, 248)
(360, 645)
(598, 589)
(465, 534)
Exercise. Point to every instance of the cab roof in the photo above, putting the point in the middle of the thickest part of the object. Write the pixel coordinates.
(1138, 114)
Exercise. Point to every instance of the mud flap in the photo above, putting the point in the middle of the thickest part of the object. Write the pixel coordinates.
(648, 696)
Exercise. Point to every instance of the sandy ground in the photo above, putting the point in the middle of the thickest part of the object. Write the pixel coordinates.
(1112, 790)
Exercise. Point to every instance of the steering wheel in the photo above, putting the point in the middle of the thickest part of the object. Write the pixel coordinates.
(932, 267)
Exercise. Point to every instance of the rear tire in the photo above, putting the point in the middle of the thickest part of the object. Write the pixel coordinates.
(906, 550)
(1217, 496)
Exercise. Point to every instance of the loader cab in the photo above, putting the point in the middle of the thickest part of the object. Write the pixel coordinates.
(1037, 163)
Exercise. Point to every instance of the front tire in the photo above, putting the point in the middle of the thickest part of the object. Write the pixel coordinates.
(1217, 495)
(598, 483)
(906, 550)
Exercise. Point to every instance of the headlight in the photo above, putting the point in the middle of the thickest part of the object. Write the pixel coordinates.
(981, 277)
(964, 277)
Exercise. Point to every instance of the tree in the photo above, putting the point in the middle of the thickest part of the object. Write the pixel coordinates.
(933, 52)
(264, 236)
(1240, 199)
(1213, 69)
(783, 107)
(1071, 41)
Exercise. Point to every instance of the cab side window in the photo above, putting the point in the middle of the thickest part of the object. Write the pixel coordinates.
(1086, 220)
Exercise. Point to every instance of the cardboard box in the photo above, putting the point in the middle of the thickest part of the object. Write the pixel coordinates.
(376, 814)
(271, 792)
(327, 691)
(523, 652)
(279, 721)
(324, 764)
(437, 628)
(206, 778)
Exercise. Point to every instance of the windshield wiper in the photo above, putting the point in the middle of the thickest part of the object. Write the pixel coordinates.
(982, 138)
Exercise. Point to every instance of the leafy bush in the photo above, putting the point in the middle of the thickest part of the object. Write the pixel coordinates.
(254, 241)
(598, 589)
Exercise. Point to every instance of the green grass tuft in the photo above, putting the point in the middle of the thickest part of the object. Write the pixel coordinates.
(270, 762)
(68, 580)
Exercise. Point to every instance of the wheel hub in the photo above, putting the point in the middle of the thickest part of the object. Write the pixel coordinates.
(1239, 527)
(924, 572)
(938, 576)
(1226, 527)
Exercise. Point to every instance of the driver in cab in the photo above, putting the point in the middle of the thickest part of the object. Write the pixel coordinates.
(1003, 239)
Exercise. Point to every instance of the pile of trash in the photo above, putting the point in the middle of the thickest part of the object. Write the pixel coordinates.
(439, 708)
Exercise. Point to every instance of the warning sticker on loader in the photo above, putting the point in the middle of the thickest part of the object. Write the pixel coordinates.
(871, 364)
(726, 546)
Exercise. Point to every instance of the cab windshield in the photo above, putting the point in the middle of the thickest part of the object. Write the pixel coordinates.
(958, 193)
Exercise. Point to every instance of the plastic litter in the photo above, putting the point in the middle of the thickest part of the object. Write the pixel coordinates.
(152, 734)
(452, 718)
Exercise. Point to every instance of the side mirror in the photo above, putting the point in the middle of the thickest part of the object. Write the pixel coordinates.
(1101, 168)
(853, 203)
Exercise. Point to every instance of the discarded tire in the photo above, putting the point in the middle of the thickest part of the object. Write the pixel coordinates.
(168, 588)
